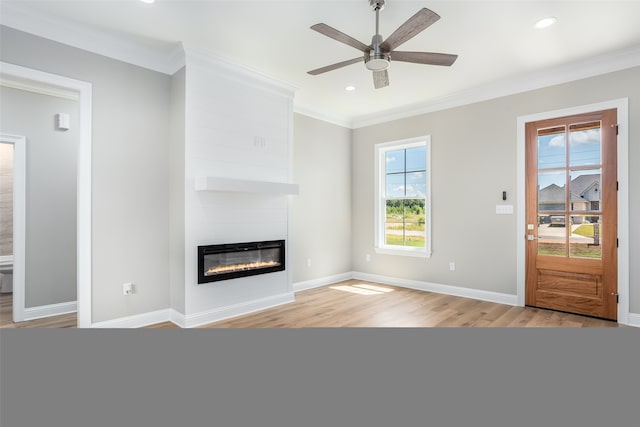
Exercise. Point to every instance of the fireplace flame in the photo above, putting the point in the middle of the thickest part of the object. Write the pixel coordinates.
(240, 267)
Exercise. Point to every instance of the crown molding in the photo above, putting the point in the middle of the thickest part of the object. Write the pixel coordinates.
(82, 37)
(313, 113)
(611, 62)
(37, 87)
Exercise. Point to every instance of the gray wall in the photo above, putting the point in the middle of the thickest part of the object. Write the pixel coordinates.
(176, 192)
(51, 180)
(322, 211)
(130, 170)
(473, 161)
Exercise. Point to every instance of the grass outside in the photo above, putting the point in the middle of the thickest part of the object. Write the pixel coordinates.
(578, 250)
(585, 230)
(398, 240)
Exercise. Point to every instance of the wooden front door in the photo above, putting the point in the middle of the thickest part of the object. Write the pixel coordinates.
(571, 214)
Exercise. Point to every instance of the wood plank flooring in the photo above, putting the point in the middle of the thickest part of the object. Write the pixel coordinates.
(6, 314)
(356, 303)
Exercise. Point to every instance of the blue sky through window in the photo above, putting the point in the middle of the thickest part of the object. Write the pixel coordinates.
(406, 172)
(584, 150)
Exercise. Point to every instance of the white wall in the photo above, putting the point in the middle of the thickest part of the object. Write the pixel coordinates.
(51, 179)
(130, 170)
(322, 211)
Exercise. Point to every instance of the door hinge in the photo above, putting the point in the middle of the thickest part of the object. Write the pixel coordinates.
(617, 243)
(617, 186)
(617, 129)
(617, 297)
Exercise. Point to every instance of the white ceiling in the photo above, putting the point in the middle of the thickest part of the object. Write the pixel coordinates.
(498, 47)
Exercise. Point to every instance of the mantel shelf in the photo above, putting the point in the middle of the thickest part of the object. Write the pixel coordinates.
(211, 183)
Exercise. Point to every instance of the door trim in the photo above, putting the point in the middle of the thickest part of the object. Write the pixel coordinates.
(622, 105)
(19, 216)
(84, 90)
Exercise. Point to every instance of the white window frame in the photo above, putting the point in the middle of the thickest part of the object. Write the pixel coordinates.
(380, 206)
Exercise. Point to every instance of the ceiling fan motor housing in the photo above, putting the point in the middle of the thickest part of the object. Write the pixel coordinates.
(377, 60)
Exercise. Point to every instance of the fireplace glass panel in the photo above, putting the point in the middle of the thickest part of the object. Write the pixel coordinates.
(229, 261)
(241, 261)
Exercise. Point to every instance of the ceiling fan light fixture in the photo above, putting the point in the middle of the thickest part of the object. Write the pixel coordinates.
(377, 64)
(350, 88)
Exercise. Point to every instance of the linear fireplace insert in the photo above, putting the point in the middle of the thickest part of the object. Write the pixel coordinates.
(233, 260)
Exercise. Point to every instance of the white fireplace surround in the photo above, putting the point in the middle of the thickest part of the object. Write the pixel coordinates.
(234, 182)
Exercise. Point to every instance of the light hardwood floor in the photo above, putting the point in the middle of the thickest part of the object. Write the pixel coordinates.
(6, 313)
(356, 303)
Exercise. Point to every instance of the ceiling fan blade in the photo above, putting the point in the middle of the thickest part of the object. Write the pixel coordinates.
(414, 25)
(335, 66)
(340, 36)
(380, 79)
(424, 58)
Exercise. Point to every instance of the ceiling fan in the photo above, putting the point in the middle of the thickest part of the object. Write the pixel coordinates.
(378, 55)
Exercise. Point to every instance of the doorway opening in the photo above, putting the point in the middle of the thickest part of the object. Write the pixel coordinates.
(26, 77)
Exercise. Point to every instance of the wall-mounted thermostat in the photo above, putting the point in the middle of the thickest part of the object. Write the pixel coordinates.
(62, 121)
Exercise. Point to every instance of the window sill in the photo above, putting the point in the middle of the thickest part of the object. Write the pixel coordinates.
(403, 252)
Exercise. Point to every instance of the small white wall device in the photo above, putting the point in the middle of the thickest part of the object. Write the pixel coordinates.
(62, 121)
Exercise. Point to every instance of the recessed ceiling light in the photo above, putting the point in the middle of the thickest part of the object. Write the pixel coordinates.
(546, 22)
(148, 1)
(350, 88)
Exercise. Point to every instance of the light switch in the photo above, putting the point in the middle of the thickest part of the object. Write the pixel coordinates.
(504, 209)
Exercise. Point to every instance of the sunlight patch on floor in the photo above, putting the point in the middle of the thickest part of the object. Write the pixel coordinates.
(362, 289)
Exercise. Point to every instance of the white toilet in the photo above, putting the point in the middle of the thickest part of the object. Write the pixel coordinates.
(6, 275)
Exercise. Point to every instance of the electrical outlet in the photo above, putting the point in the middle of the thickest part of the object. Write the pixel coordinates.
(128, 289)
(308, 262)
(367, 257)
(452, 266)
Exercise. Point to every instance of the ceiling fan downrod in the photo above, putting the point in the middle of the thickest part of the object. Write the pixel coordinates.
(377, 60)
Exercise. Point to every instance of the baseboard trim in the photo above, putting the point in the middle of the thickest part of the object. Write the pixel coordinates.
(323, 281)
(31, 313)
(177, 318)
(135, 321)
(218, 314)
(478, 294)
(633, 320)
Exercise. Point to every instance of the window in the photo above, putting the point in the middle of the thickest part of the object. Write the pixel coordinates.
(403, 199)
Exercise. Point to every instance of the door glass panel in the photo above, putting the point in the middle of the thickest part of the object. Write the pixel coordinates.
(552, 235)
(586, 236)
(551, 191)
(551, 148)
(584, 144)
(585, 190)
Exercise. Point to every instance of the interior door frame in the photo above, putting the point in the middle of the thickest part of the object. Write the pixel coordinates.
(622, 106)
(84, 257)
(19, 216)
